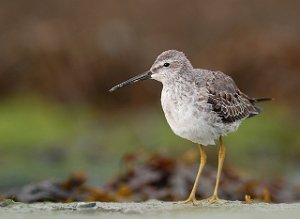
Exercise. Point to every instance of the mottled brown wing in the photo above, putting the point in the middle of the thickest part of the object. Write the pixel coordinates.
(227, 100)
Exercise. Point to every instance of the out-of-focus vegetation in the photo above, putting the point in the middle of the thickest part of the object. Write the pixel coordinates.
(44, 140)
(59, 58)
(160, 177)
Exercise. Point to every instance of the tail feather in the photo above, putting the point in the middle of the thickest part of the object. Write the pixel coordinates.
(258, 108)
(263, 99)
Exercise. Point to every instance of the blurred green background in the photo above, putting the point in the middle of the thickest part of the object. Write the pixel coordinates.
(58, 59)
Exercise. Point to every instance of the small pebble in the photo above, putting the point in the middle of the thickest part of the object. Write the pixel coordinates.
(86, 205)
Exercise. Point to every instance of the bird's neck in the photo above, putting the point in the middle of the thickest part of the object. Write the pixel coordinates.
(181, 88)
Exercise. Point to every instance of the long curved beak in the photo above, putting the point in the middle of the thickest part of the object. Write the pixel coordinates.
(140, 77)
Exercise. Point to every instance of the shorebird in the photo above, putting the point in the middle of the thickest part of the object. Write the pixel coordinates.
(200, 105)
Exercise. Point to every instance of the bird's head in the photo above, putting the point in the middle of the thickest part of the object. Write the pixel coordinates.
(169, 65)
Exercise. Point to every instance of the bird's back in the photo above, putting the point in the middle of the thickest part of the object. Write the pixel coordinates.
(225, 97)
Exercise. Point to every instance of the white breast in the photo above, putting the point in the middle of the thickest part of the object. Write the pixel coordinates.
(192, 121)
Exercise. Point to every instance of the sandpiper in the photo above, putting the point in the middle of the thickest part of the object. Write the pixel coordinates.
(199, 105)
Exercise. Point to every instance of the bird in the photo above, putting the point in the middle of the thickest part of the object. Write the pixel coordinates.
(200, 105)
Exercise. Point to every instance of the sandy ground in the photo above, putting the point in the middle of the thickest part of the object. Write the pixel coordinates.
(149, 209)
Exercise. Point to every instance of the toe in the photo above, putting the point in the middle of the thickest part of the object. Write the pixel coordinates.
(192, 201)
(214, 199)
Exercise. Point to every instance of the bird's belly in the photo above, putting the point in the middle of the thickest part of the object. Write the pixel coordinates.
(190, 123)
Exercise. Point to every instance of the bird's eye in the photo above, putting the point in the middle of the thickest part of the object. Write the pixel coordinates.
(166, 64)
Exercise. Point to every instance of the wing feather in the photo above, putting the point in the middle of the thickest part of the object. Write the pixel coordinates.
(227, 100)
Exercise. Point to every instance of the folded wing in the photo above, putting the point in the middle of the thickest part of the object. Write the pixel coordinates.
(227, 100)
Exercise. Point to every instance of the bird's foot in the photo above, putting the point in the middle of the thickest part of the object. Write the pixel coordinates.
(214, 199)
(190, 200)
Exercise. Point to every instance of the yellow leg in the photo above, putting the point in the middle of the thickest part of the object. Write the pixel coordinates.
(192, 199)
(215, 198)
